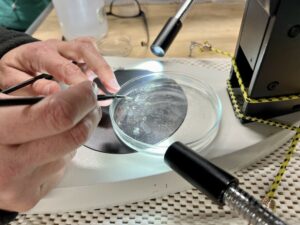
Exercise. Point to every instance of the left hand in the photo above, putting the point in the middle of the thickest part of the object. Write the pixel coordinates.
(55, 58)
(38, 141)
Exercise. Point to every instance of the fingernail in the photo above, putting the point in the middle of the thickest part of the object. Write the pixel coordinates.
(91, 76)
(89, 124)
(115, 84)
(95, 88)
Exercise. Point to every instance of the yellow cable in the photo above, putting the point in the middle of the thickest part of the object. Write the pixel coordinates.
(283, 165)
(269, 199)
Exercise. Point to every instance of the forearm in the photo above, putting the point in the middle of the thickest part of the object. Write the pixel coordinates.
(11, 39)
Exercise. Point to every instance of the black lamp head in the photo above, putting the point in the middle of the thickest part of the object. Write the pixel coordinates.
(170, 30)
(166, 37)
(207, 177)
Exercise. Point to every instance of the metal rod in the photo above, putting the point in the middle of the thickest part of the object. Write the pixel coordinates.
(182, 11)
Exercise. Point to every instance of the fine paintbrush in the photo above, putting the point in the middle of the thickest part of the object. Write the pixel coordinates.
(26, 83)
(33, 100)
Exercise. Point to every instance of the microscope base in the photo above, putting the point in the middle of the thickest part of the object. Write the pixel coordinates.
(99, 180)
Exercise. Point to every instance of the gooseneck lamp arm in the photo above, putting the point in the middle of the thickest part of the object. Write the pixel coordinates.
(217, 184)
(170, 30)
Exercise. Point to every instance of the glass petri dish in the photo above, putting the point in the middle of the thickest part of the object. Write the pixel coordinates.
(165, 107)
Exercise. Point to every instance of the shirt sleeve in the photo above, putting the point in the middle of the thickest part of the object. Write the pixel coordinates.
(10, 39)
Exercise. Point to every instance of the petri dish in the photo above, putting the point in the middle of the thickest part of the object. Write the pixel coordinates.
(165, 107)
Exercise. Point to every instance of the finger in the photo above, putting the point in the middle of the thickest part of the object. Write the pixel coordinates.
(6, 96)
(48, 149)
(73, 55)
(59, 67)
(86, 51)
(11, 77)
(43, 57)
(53, 115)
(91, 76)
(45, 87)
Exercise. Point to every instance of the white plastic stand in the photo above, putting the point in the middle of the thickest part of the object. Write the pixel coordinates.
(96, 180)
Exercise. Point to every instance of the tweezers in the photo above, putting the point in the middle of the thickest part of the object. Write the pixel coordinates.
(33, 100)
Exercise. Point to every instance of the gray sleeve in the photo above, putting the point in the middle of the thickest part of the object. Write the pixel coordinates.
(10, 39)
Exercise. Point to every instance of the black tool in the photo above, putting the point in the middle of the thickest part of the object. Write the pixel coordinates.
(27, 82)
(33, 100)
(169, 32)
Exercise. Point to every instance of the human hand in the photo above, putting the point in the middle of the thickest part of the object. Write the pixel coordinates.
(38, 141)
(55, 58)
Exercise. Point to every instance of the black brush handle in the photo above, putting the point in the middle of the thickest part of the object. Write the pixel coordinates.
(25, 83)
(166, 36)
(7, 216)
(33, 100)
(19, 101)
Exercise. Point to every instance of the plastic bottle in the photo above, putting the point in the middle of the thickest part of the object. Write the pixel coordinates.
(79, 18)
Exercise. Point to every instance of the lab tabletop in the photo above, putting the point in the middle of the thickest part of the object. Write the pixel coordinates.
(216, 23)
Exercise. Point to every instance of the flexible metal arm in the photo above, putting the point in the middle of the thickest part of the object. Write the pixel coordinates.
(217, 184)
(183, 10)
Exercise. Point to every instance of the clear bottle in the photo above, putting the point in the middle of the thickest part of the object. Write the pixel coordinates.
(79, 18)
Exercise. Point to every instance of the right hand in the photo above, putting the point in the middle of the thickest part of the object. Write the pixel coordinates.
(38, 141)
(54, 57)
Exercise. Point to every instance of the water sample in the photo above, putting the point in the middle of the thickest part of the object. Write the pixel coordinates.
(154, 111)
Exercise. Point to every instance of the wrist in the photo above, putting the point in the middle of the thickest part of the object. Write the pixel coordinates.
(11, 39)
